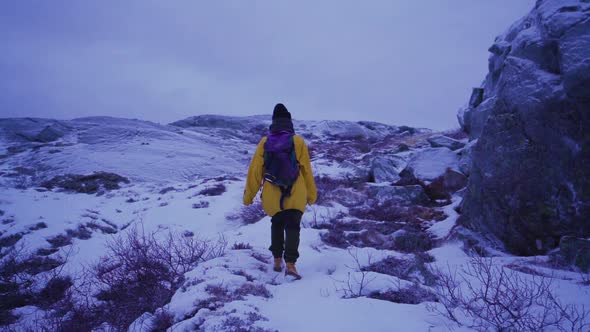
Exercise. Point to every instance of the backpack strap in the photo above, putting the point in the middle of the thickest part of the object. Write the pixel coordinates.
(285, 192)
(293, 152)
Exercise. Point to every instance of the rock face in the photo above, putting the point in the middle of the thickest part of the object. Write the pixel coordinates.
(465, 158)
(530, 176)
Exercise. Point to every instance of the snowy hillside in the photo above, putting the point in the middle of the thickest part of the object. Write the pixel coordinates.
(140, 150)
(38, 149)
(160, 240)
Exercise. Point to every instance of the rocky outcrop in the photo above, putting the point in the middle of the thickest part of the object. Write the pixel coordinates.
(529, 180)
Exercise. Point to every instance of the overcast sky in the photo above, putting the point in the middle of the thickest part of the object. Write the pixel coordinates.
(399, 62)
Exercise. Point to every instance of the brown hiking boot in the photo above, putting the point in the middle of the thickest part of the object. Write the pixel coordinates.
(292, 271)
(278, 267)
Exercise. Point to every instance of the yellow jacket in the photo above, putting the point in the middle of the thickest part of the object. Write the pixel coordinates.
(303, 192)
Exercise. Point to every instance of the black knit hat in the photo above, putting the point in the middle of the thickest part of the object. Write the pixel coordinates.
(280, 111)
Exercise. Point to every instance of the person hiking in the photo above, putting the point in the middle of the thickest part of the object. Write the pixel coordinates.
(281, 165)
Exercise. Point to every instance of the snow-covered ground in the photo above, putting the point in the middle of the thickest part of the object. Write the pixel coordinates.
(169, 167)
(310, 304)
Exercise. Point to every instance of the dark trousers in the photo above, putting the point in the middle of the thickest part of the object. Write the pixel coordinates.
(286, 222)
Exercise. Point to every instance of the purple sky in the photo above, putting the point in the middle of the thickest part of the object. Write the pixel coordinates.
(398, 62)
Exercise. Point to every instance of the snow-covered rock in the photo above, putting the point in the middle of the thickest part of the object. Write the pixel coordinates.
(440, 141)
(142, 324)
(347, 130)
(430, 163)
(343, 129)
(387, 169)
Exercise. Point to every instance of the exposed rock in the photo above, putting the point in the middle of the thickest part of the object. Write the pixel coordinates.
(440, 141)
(26, 130)
(347, 197)
(403, 147)
(529, 183)
(166, 190)
(476, 97)
(575, 251)
(344, 130)
(407, 178)
(213, 121)
(387, 169)
(465, 158)
(402, 195)
(473, 119)
(446, 184)
(354, 170)
(430, 163)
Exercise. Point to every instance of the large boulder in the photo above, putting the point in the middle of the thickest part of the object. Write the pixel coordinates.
(343, 130)
(441, 141)
(387, 169)
(431, 163)
(351, 170)
(529, 181)
(407, 178)
(445, 185)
